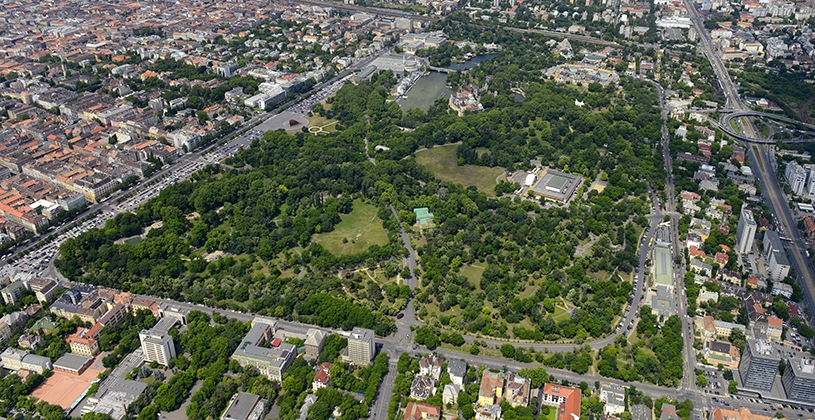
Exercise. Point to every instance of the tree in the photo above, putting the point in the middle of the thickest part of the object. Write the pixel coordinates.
(465, 405)
(508, 351)
(781, 309)
(738, 339)
(537, 376)
(733, 387)
(701, 380)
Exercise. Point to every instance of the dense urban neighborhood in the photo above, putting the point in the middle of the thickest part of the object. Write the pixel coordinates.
(407, 209)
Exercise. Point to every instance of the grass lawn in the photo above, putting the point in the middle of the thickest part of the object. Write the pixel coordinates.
(362, 228)
(320, 121)
(735, 126)
(559, 313)
(473, 274)
(442, 161)
(551, 416)
(134, 240)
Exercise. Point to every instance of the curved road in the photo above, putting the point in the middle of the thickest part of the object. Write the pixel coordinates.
(724, 125)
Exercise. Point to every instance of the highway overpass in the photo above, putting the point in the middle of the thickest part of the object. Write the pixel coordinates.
(724, 125)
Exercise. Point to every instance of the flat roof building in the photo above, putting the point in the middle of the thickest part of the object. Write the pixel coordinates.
(663, 267)
(776, 256)
(746, 231)
(758, 366)
(119, 394)
(244, 406)
(799, 379)
(614, 398)
(361, 346)
(662, 303)
(173, 311)
(73, 363)
(157, 343)
(555, 185)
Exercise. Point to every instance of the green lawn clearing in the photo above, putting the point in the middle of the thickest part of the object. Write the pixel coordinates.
(442, 161)
(361, 228)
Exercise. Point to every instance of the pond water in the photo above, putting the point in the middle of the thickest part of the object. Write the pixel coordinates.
(429, 88)
(434, 86)
(472, 63)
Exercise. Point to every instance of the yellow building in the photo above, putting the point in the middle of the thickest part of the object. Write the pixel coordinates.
(492, 388)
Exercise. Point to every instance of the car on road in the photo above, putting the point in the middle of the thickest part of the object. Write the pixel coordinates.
(400, 315)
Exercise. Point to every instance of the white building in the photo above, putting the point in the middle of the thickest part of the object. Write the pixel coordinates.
(746, 231)
(156, 343)
(184, 139)
(614, 397)
(776, 256)
(796, 177)
(782, 289)
(361, 349)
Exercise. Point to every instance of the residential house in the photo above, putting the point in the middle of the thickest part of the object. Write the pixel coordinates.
(774, 328)
(422, 387)
(729, 276)
(322, 376)
(491, 389)
(756, 283)
(718, 352)
(693, 240)
(420, 411)
(488, 412)
(707, 296)
(517, 390)
(701, 267)
(565, 399)
(614, 398)
(457, 369)
(30, 341)
(13, 292)
(450, 394)
(43, 288)
(695, 252)
(430, 366)
(668, 412)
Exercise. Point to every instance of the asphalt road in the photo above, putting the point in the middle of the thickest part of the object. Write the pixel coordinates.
(768, 180)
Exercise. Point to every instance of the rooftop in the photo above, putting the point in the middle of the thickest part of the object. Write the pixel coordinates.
(72, 361)
(241, 406)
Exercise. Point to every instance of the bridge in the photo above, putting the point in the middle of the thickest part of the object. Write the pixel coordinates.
(724, 125)
(440, 69)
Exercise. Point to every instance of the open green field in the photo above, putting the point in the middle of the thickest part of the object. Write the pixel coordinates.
(362, 228)
(442, 161)
(318, 124)
(134, 240)
(473, 274)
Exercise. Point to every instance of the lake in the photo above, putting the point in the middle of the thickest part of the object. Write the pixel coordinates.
(429, 88)
(434, 86)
